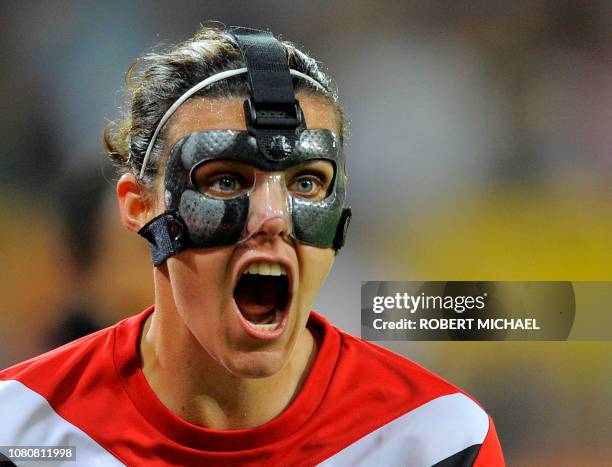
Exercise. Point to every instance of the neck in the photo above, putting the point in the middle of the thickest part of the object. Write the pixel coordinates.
(194, 386)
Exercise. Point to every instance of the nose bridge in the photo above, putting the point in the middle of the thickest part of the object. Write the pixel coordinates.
(270, 193)
(268, 204)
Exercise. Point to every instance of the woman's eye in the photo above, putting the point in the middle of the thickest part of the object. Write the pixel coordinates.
(224, 185)
(222, 178)
(308, 187)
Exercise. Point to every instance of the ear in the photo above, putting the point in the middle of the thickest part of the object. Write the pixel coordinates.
(135, 208)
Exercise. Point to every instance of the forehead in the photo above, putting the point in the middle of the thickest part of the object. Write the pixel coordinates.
(204, 113)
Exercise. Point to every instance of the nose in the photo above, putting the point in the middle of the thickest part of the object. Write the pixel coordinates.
(273, 227)
(269, 209)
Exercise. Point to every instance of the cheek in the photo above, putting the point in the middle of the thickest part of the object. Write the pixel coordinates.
(315, 264)
(200, 287)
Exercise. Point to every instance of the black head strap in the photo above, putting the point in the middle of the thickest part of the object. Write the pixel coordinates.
(273, 115)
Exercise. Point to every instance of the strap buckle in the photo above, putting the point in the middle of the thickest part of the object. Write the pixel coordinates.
(278, 117)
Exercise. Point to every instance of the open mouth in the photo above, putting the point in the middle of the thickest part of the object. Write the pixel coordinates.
(262, 295)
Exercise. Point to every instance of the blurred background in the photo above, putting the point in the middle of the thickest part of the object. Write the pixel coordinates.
(480, 149)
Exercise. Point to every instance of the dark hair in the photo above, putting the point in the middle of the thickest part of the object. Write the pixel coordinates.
(157, 80)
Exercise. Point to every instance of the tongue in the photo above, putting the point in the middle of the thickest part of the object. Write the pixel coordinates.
(258, 295)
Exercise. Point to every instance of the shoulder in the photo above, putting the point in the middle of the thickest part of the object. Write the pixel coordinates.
(406, 384)
(64, 365)
(43, 399)
(403, 412)
(376, 368)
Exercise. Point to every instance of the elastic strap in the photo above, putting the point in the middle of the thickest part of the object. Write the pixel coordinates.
(267, 68)
(167, 235)
(272, 113)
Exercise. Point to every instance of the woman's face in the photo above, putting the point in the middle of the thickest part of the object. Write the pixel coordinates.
(225, 309)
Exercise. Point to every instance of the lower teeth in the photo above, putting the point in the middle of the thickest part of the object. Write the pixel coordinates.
(264, 327)
(269, 326)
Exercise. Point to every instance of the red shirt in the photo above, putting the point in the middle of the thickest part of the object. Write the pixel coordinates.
(359, 403)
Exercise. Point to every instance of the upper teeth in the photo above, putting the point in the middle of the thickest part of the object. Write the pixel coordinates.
(266, 269)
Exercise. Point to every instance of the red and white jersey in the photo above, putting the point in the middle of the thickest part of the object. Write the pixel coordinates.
(360, 405)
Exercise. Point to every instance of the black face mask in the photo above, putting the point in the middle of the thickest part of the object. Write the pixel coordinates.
(276, 141)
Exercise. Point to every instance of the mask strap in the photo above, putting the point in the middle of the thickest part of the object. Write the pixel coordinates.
(268, 70)
(167, 235)
(272, 113)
